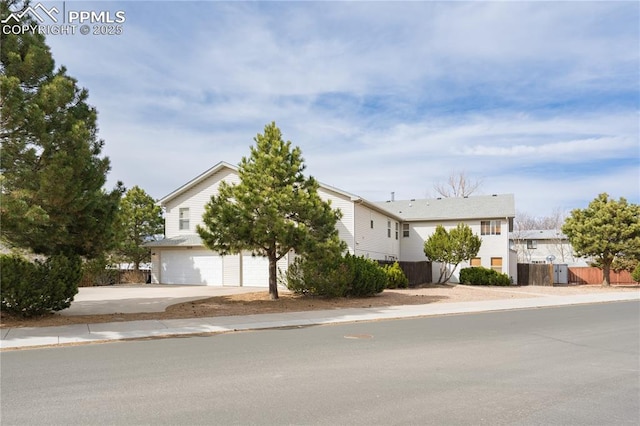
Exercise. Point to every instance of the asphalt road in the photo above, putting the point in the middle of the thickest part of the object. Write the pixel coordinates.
(568, 365)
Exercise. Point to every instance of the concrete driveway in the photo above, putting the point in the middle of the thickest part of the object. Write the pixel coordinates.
(143, 298)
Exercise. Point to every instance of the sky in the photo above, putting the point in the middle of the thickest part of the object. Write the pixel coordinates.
(537, 99)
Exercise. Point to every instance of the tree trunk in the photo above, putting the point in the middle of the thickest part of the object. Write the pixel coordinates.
(453, 269)
(606, 269)
(273, 282)
(443, 270)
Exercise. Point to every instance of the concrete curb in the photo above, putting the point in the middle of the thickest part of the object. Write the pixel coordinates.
(16, 338)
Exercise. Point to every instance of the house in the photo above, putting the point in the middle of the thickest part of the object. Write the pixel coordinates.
(543, 245)
(380, 231)
(489, 216)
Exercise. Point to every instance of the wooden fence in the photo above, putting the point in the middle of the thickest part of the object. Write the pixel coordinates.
(417, 272)
(535, 274)
(590, 275)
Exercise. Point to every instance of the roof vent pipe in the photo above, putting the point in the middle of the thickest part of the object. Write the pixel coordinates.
(393, 196)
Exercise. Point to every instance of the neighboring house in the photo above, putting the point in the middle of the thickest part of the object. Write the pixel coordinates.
(537, 245)
(373, 230)
(489, 216)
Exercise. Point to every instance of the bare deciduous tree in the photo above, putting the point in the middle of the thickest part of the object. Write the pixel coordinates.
(457, 185)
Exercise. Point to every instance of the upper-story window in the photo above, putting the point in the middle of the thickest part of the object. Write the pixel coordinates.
(184, 219)
(397, 230)
(405, 230)
(490, 227)
(532, 244)
(388, 229)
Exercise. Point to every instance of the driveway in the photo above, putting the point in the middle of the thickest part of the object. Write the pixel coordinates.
(143, 298)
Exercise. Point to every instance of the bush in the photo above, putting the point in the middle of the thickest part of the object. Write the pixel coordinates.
(335, 276)
(96, 273)
(636, 274)
(30, 289)
(368, 277)
(395, 276)
(483, 276)
(318, 277)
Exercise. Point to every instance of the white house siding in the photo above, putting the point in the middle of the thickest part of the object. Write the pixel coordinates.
(375, 242)
(561, 250)
(345, 205)
(195, 199)
(412, 247)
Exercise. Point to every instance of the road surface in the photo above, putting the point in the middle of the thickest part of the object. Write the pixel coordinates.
(565, 365)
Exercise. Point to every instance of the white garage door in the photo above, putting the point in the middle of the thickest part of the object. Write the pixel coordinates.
(255, 271)
(191, 267)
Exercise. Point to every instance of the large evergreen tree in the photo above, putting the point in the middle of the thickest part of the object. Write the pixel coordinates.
(606, 230)
(139, 221)
(52, 170)
(273, 209)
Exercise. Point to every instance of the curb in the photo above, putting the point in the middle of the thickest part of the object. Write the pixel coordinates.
(21, 338)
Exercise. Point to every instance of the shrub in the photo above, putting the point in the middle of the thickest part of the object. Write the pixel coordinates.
(368, 277)
(30, 289)
(483, 276)
(318, 277)
(96, 273)
(395, 276)
(636, 274)
(325, 274)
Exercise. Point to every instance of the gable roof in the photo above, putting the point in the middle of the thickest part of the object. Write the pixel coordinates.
(453, 208)
(222, 165)
(193, 182)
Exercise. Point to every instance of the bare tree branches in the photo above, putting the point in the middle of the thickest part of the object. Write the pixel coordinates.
(457, 185)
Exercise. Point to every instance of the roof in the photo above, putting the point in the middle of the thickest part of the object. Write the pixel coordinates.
(538, 234)
(453, 208)
(186, 240)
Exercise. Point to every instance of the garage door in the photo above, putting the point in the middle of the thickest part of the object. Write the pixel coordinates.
(255, 270)
(191, 267)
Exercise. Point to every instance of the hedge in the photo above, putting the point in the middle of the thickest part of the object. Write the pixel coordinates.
(483, 276)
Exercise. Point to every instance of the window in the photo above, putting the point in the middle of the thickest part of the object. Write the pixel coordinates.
(371, 223)
(490, 227)
(397, 230)
(405, 230)
(532, 244)
(184, 219)
(475, 262)
(388, 229)
(496, 264)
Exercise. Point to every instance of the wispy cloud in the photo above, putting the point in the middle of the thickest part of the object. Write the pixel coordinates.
(381, 96)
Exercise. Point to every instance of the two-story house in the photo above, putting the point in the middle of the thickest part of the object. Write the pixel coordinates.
(489, 216)
(544, 246)
(381, 231)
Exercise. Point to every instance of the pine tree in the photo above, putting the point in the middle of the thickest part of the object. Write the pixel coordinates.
(53, 174)
(273, 209)
(607, 229)
(139, 221)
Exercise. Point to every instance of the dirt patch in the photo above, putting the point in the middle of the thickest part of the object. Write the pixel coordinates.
(260, 303)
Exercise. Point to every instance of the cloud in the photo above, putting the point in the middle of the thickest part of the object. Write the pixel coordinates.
(380, 96)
